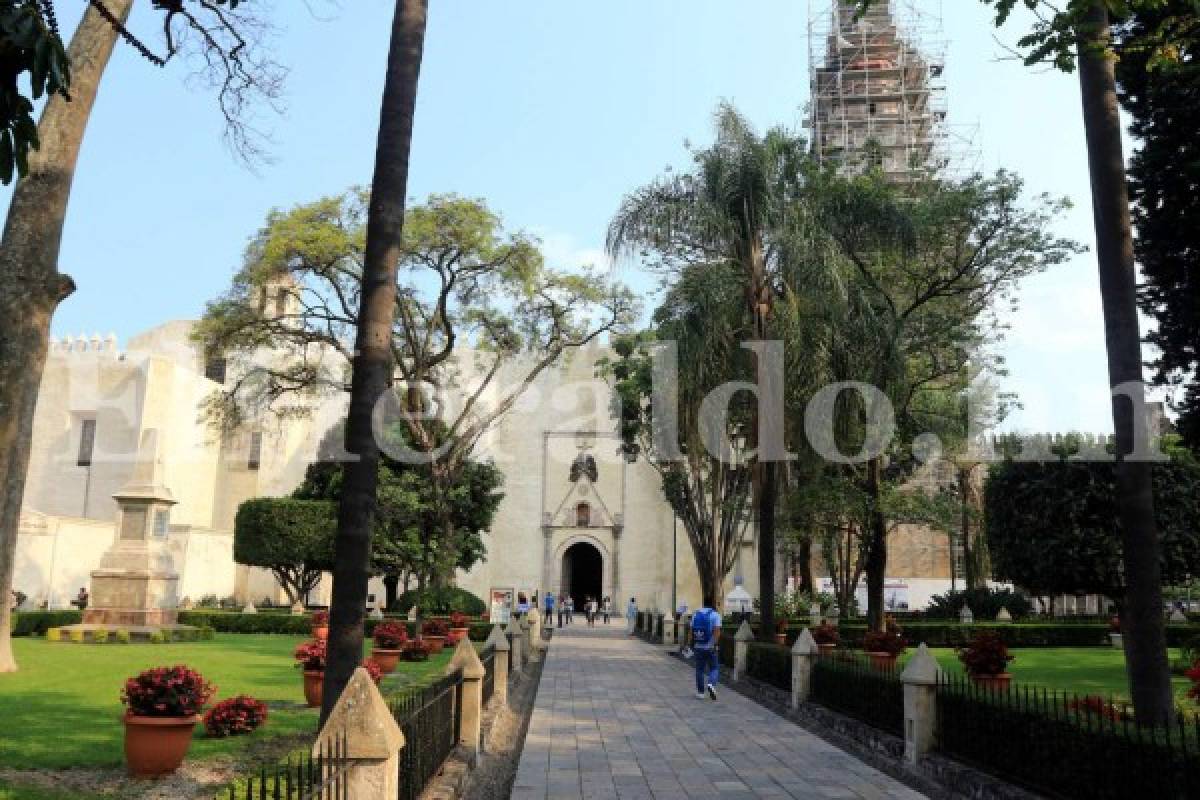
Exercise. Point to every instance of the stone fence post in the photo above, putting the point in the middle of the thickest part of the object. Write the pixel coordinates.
(920, 679)
(526, 635)
(471, 727)
(514, 630)
(668, 642)
(741, 648)
(500, 646)
(362, 721)
(804, 656)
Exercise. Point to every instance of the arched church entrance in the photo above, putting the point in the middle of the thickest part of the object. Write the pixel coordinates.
(582, 573)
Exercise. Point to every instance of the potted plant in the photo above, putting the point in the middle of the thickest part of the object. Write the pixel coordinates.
(310, 657)
(1114, 631)
(459, 624)
(320, 625)
(163, 707)
(827, 637)
(389, 638)
(235, 716)
(434, 632)
(883, 648)
(416, 650)
(373, 670)
(986, 659)
(781, 626)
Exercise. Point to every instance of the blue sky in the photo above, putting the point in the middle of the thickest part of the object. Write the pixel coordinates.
(550, 110)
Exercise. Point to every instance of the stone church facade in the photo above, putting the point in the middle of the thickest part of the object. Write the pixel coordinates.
(576, 516)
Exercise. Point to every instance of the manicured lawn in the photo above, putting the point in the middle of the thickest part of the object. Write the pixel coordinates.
(63, 708)
(1082, 670)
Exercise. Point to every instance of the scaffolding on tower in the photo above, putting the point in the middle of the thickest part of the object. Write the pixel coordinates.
(878, 99)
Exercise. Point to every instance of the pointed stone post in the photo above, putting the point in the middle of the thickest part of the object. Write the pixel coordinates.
(527, 644)
(535, 630)
(668, 642)
(514, 631)
(804, 658)
(499, 644)
(920, 679)
(362, 723)
(741, 648)
(471, 727)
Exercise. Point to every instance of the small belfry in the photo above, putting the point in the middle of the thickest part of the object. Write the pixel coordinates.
(877, 100)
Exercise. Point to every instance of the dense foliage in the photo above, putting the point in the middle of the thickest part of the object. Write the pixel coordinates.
(1054, 528)
(167, 692)
(441, 601)
(986, 654)
(390, 635)
(985, 603)
(292, 538)
(311, 655)
(235, 716)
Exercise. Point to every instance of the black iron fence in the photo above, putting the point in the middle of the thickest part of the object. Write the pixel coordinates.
(431, 720)
(850, 684)
(488, 657)
(1066, 745)
(301, 777)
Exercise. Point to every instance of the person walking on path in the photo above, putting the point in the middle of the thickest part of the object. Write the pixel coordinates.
(606, 609)
(548, 618)
(570, 609)
(706, 632)
(562, 609)
(631, 613)
(591, 612)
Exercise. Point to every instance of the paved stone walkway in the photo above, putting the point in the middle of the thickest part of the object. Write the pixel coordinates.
(616, 718)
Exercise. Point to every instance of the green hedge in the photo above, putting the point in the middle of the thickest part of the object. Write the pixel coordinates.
(36, 623)
(290, 625)
(433, 602)
(1014, 635)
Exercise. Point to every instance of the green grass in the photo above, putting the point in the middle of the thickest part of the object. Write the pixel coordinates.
(63, 708)
(1082, 670)
(29, 793)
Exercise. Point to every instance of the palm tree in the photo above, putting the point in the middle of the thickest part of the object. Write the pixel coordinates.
(373, 363)
(736, 207)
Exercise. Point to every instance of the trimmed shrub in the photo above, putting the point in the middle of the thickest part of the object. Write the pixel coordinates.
(157, 638)
(985, 604)
(76, 636)
(225, 622)
(122, 636)
(441, 602)
(54, 635)
(36, 623)
(100, 636)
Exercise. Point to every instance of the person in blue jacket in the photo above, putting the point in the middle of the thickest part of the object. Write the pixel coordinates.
(706, 632)
(548, 617)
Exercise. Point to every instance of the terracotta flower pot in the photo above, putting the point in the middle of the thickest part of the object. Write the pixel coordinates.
(884, 662)
(461, 632)
(436, 643)
(385, 659)
(781, 638)
(156, 746)
(312, 687)
(997, 682)
(826, 649)
(320, 632)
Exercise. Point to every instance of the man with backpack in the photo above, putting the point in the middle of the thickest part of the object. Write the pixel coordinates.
(706, 632)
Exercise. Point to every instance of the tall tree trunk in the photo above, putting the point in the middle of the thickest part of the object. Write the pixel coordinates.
(767, 492)
(31, 287)
(964, 496)
(1145, 639)
(876, 566)
(804, 572)
(373, 347)
(391, 585)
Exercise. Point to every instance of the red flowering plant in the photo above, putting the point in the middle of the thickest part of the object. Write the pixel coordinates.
(459, 620)
(434, 627)
(320, 619)
(310, 656)
(1193, 675)
(1096, 706)
(167, 692)
(416, 650)
(372, 669)
(235, 716)
(453, 638)
(987, 654)
(891, 642)
(826, 633)
(390, 635)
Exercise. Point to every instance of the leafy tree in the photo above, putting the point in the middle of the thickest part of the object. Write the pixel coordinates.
(31, 287)
(292, 538)
(736, 207)
(29, 42)
(925, 265)
(1162, 96)
(709, 491)
(985, 603)
(1053, 527)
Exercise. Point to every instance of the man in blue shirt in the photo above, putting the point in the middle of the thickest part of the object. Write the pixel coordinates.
(706, 632)
(549, 616)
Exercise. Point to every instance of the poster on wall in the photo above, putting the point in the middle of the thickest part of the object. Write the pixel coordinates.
(500, 608)
(895, 594)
